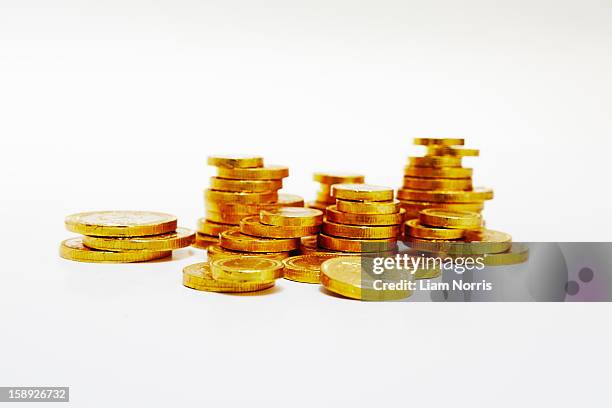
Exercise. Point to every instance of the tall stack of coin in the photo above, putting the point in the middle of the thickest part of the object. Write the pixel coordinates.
(233, 274)
(438, 180)
(274, 233)
(242, 187)
(327, 180)
(123, 236)
(365, 218)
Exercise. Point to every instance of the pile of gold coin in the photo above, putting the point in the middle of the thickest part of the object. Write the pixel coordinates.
(123, 236)
(233, 274)
(438, 179)
(326, 181)
(242, 187)
(365, 218)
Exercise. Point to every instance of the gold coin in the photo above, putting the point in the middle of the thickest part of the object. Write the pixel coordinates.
(120, 223)
(416, 183)
(360, 231)
(216, 252)
(451, 151)
(235, 240)
(181, 238)
(450, 218)
(435, 161)
(253, 186)
(333, 215)
(292, 216)
(432, 245)
(74, 250)
(199, 276)
(339, 178)
(207, 227)
(246, 269)
(233, 161)
(438, 172)
(317, 205)
(473, 196)
(324, 197)
(227, 218)
(255, 173)
(518, 253)
(252, 226)
(368, 207)
(414, 229)
(241, 197)
(475, 242)
(284, 200)
(356, 245)
(414, 207)
(306, 268)
(362, 192)
(309, 244)
(434, 141)
(203, 241)
(344, 276)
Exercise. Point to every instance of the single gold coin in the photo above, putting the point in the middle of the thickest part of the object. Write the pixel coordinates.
(415, 229)
(227, 218)
(246, 269)
(356, 245)
(234, 161)
(181, 238)
(317, 205)
(217, 251)
(435, 161)
(417, 183)
(362, 192)
(339, 178)
(333, 215)
(306, 268)
(233, 239)
(451, 151)
(518, 253)
(255, 173)
(475, 242)
(253, 186)
(437, 217)
(292, 216)
(121, 223)
(434, 141)
(74, 250)
(199, 276)
(241, 197)
(284, 200)
(345, 276)
(207, 227)
(414, 207)
(368, 207)
(360, 231)
(478, 194)
(252, 226)
(203, 241)
(438, 172)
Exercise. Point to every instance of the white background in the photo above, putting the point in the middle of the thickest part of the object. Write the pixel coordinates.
(117, 105)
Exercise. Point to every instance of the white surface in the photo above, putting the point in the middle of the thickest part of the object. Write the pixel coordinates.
(116, 106)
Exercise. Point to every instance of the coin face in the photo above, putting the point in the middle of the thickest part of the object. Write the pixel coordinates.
(438, 217)
(252, 268)
(292, 216)
(434, 141)
(255, 173)
(199, 276)
(121, 223)
(338, 177)
(415, 229)
(232, 161)
(180, 238)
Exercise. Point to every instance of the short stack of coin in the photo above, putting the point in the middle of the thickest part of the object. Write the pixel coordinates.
(233, 274)
(123, 236)
(365, 218)
(274, 233)
(326, 181)
(242, 187)
(438, 180)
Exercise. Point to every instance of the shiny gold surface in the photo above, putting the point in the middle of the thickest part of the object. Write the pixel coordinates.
(438, 172)
(216, 252)
(356, 245)
(74, 250)
(339, 178)
(306, 268)
(417, 183)
(362, 192)
(199, 276)
(435, 161)
(257, 173)
(241, 161)
(207, 227)
(181, 238)
(284, 200)
(368, 207)
(254, 186)
(241, 197)
(333, 215)
(360, 231)
(246, 269)
(252, 226)
(415, 229)
(121, 223)
(435, 141)
(234, 240)
(203, 241)
(292, 216)
(473, 196)
(451, 151)
(436, 217)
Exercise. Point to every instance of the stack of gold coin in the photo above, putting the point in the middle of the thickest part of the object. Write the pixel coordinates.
(242, 187)
(233, 274)
(123, 236)
(438, 180)
(327, 180)
(365, 218)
